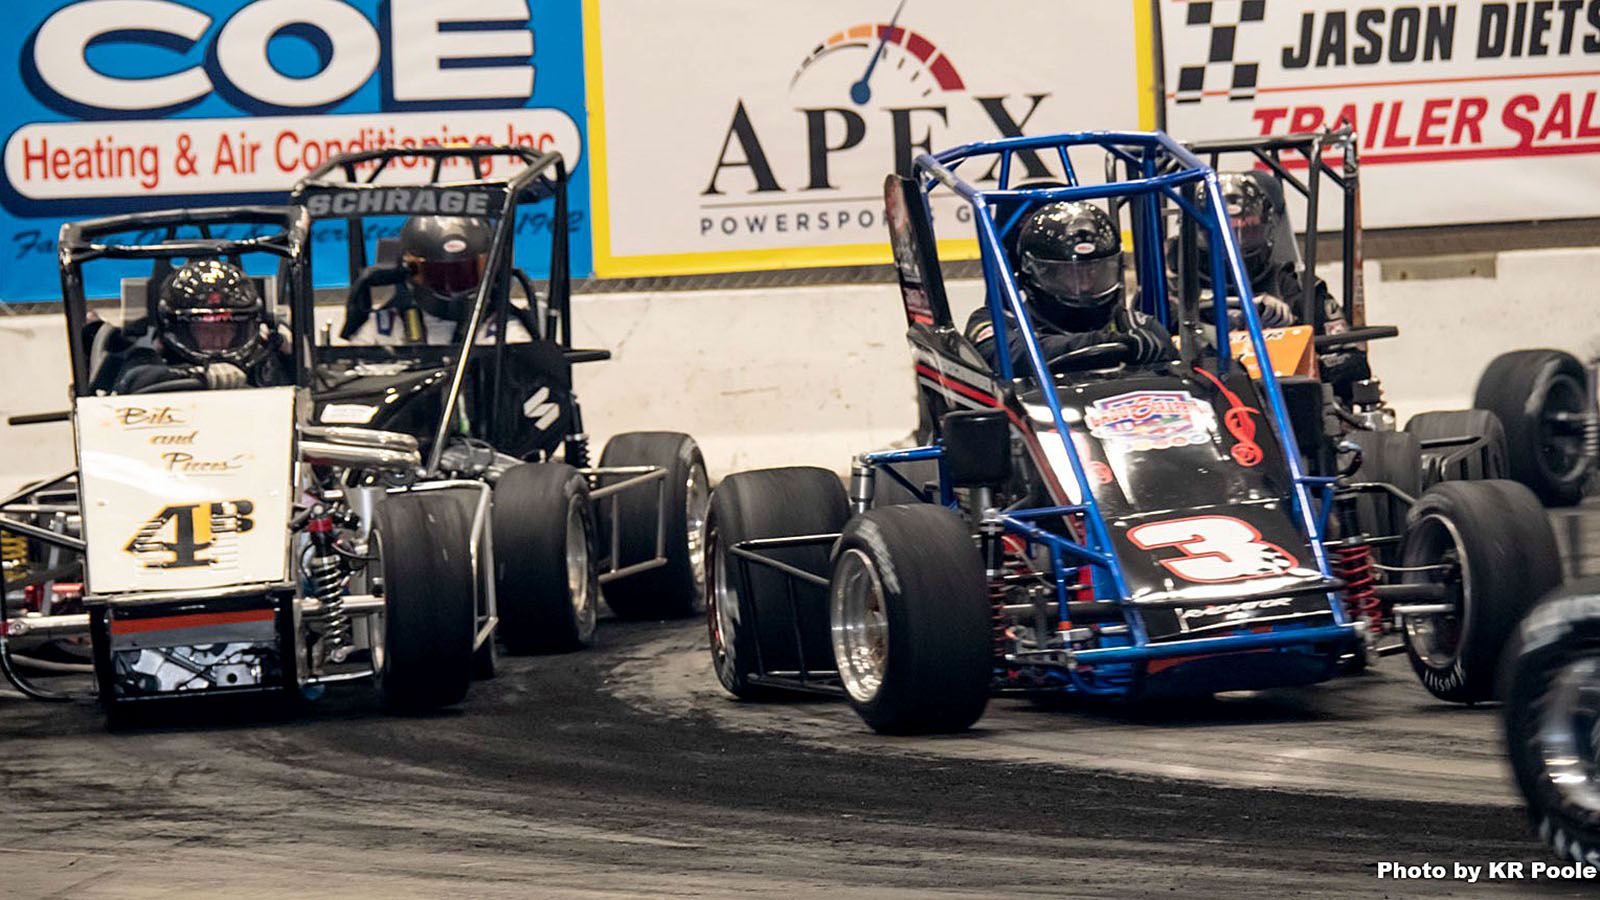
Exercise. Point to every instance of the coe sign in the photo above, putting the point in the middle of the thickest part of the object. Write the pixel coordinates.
(132, 104)
(350, 46)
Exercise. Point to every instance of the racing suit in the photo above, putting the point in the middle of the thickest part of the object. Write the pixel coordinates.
(1146, 339)
(1278, 292)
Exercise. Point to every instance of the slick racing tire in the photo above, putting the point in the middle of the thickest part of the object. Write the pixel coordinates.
(1500, 555)
(911, 620)
(429, 619)
(749, 616)
(547, 587)
(1552, 719)
(675, 589)
(1482, 456)
(485, 659)
(1535, 394)
(1393, 458)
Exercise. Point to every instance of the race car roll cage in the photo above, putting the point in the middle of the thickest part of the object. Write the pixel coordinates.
(543, 176)
(1160, 168)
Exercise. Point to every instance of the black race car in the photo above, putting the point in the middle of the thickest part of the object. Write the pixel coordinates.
(491, 398)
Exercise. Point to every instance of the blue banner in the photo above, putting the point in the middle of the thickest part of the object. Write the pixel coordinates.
(128, 105)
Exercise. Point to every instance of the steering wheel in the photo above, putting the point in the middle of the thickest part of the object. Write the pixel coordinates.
(156, 378)
(1107, 355)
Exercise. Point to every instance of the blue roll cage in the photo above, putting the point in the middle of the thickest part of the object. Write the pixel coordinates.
(1164, 167)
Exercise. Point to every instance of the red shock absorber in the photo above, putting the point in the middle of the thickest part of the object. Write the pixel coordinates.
(1353, 564)
(998, 619)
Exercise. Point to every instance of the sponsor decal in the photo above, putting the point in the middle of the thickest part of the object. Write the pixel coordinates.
(1474, 82)
(128, 105)
(809, 109)
(403, 200)
(1151, 420)
(176, 537)
(1232, 611)
(348, 413)
(541, 409)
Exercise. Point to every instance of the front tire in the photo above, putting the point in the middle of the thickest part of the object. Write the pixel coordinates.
(1501, 556)
(911, 620)
(768, 504)
(1535, 394)
(1552, 719)
(429, 618)
(673, 590)
(547, 589)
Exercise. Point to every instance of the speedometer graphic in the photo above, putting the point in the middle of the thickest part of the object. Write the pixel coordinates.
(878, 58)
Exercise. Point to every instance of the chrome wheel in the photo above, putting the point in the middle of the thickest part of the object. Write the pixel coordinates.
(860, 619)
(696, 505)
(722, 602)
(1437, 640)
(1568, 737)
(580, 575)
(377, 621)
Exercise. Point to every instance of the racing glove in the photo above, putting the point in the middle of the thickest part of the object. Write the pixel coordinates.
(1143, 347)
(221, 376)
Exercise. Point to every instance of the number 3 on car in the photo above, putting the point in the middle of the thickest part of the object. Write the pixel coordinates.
(1216, 549)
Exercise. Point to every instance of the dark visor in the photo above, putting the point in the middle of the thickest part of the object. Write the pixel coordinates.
(1069, 280)
(455, 276)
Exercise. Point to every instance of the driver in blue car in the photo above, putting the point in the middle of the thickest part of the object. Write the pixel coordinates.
(1069, 259)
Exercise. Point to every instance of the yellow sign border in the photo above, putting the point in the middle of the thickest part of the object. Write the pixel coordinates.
(875, 253)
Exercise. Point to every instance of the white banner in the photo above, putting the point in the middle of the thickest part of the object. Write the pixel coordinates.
(729, 135)
(1467, 111)
(69, 160)
(186, 490)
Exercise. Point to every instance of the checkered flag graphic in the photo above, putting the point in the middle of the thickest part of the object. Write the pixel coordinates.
(1223, 18)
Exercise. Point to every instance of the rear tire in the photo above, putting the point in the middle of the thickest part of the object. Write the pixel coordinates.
(1499, 537)
(1392, 458)
(1484, 458)
(911, 620)
(428, 601)
(1523, 388)
(767, 504)
(546, 588)
(1552, 719)
(675, 589)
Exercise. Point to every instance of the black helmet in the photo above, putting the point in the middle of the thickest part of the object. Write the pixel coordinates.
(445, 257)
(1069, 258)
(1253, 216)
(210, 312)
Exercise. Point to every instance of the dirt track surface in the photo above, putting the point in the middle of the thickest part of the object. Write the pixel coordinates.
(625, 772)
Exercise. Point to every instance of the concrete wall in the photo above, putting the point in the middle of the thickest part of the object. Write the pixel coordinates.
(814, 375)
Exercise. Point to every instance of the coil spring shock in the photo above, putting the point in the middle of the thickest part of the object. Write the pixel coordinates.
(13, 549)
(998, 620)
(325, 578)
(1353, 563)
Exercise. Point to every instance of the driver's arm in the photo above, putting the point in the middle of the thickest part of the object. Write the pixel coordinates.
(980, 330)
(358, 308)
